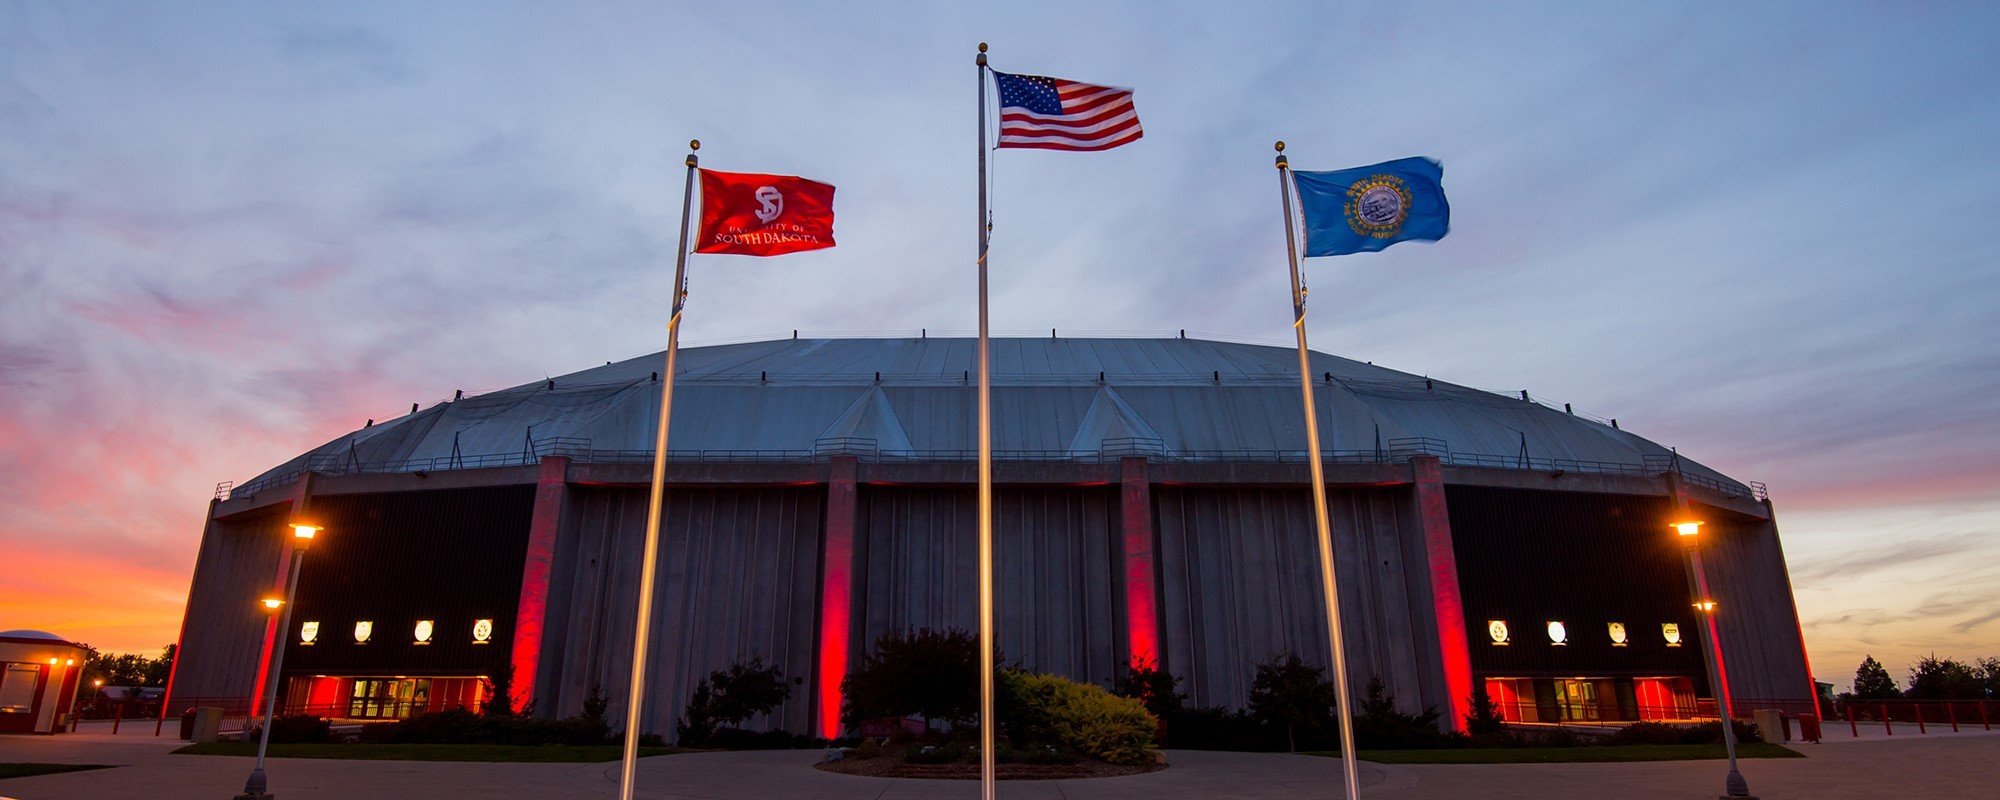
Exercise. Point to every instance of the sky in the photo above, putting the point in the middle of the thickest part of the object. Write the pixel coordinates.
(1761, 233)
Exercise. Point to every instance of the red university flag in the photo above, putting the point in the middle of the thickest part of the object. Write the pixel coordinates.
(763, 215)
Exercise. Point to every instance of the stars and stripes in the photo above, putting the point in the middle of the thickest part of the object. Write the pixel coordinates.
(1055, 114)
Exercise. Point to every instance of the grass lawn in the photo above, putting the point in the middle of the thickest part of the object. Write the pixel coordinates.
(1558, 755)
(24, 770)
(427, 752)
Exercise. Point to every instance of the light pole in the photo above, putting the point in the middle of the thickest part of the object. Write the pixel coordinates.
(1690, 533)
(302, 537)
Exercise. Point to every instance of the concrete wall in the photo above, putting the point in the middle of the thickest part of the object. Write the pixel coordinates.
(738, 569)
(1755, 613)
(1240, 583)
(222, 637)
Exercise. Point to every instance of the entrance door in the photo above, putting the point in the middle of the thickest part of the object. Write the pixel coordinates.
(1578, 699)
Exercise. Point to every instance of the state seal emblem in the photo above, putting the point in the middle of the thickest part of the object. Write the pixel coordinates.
(1497, 630)
(1378, 205)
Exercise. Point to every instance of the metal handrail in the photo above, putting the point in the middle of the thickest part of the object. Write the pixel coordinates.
(1394, 451)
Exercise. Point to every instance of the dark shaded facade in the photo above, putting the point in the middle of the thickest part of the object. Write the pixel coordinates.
(1122, 542)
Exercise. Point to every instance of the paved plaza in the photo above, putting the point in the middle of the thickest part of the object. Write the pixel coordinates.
(1938, 765)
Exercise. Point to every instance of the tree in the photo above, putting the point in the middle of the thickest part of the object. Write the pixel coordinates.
(1872, 681)
(1484, 718)
(1146, 682)
(921, 673)
(1989, 677)
(1289, 693)
(1933, 678)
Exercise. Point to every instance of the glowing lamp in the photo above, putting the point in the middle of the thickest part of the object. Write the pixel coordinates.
(52, 662)
(1688, 528)
(69, 662)
(1706, 606)
(98, 682)
(273, 603)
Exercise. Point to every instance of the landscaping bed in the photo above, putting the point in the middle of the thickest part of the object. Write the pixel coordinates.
(1570, 755)
(892, 764)
(23, 770)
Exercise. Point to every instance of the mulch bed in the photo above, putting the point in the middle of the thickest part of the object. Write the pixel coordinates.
(892, 765)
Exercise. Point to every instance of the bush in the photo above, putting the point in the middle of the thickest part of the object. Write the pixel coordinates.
(1079, 716)
(1662, 733)
(301, 729)
(1289, 695)
(1146, 682)
(949, 753)
(459, 726)
(1483, 719)
(1380, 726)
(730, 696)
(919, 673)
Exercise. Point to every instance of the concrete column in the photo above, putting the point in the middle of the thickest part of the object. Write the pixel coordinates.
(837, 589)
(301, 492)
(1142, 619)
(1434, 517)
(531, 613)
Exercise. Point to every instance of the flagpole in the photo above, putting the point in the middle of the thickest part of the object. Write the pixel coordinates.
(987, 789)
(643, 626)
(1325, 532)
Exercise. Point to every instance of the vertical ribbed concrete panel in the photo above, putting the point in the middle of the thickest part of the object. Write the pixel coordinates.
(738, 576)
(223, 635)
(1758, 621)
(1053, 571)
(1240, 580)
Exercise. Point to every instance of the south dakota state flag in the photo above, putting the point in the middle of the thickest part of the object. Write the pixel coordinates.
(1368, 208)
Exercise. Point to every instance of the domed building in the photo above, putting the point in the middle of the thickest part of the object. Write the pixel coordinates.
(1152, 504)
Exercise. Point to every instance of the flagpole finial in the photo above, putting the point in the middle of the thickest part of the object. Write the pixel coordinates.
(692, 160)
(1281, 145)
(982, 54)
(1282, 161)
(695, 144)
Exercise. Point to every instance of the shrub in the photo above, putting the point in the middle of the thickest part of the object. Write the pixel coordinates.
(1078, 716)
(739, 739)
(729, 696)
(947, 753)
(1662, 733)
(1483, 720)
(459, 726)
(1380, 726)
(301, 728)
(918, 673)
(1290, 695)
(1146, 682)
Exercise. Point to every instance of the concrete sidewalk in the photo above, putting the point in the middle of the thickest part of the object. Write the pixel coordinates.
(1942, 767)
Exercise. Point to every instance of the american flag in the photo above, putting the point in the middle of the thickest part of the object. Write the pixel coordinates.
(1055, 114)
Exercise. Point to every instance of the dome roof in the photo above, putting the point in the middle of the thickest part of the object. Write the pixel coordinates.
(28, 634)
(1054, 398)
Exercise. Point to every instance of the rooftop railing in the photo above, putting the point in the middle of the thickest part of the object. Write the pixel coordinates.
(1393, 451)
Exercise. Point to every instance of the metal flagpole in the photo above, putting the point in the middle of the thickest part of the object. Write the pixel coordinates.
(987, 789)
(643, 627)
(1325, 537)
